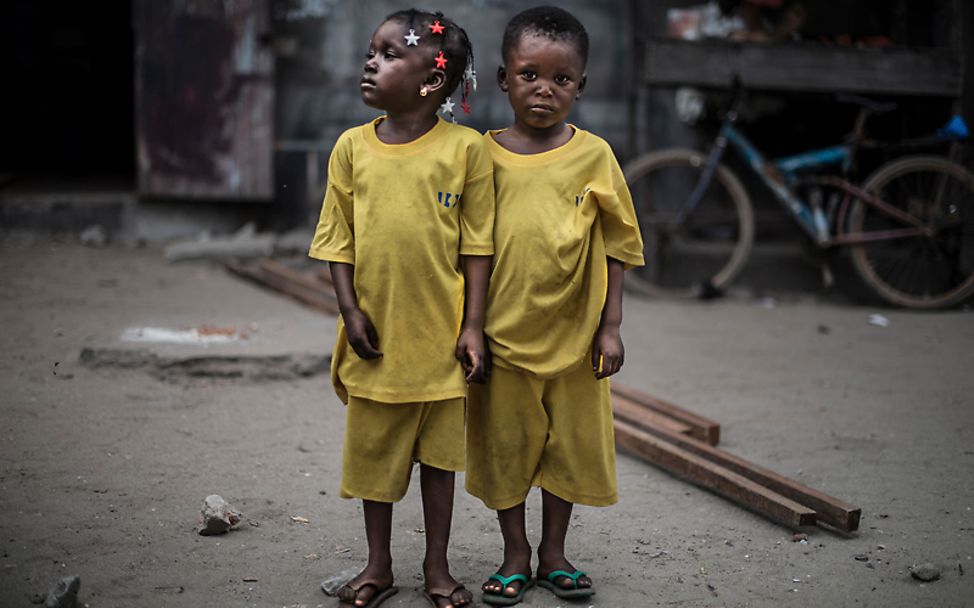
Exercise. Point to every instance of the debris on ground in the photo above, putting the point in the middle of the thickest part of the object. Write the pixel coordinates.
(93, 236)
(925, 572)
(862, 557)
(300, 520)
(64, 593)
(798, 537)
(878, 320)
(333, 583)
(217, 517)
(245, 243)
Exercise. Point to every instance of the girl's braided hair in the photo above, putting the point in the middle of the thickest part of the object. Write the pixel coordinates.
(453, 42)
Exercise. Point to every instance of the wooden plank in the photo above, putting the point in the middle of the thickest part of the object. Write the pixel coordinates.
(702, 428)
(642, 417)
(830, 510)
(315, 297)
(713, 477)
(804, 67)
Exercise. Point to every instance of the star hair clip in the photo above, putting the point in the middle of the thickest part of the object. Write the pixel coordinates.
(411, 38)
(447, 108)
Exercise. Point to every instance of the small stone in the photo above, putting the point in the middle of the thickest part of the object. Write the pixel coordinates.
(881, 547)
(862, 557)
(93, 236)
(798, 536)
(217, 517)
(333, 583)
(64, 594)
(925, 572)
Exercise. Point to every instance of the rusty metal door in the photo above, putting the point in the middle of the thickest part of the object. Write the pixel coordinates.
(204, 98)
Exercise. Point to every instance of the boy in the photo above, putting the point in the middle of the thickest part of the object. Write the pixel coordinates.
(564, 232)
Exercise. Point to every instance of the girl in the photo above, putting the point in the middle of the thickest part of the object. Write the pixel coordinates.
(407, 225)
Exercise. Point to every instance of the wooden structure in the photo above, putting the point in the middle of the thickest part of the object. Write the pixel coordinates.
(204, 92)
(804, 67)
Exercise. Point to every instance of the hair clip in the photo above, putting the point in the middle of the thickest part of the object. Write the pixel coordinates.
(436, 28)
(470, 75)
(440, 61)
(447, 108)
(465, 106)
(412, 39)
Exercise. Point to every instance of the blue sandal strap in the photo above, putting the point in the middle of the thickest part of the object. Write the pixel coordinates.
(507, 580)
(574, 576)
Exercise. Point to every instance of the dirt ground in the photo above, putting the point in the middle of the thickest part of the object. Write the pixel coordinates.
(103, 469)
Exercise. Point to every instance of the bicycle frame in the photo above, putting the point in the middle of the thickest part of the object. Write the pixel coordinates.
(779, 175)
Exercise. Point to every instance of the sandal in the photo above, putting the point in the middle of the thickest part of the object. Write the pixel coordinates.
(499, 599)
(433, 594)
(347, 594)
(549, 583)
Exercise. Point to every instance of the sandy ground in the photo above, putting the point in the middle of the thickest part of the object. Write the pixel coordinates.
(103, 470)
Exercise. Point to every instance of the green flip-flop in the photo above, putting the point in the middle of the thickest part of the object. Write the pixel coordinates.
(499, 599)
(549, 583)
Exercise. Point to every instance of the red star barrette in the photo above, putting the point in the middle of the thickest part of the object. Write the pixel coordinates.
(436, 28)
(440, 60)
(465, 106)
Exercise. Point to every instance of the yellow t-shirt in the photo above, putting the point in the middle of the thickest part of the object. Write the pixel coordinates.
(403, 215)
(559, 214)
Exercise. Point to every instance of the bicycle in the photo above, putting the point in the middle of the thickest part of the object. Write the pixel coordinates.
(910, 225)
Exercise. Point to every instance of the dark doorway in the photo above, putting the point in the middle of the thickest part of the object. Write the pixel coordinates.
(67, 108)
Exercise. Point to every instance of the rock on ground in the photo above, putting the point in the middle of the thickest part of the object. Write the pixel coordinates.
(217, 516)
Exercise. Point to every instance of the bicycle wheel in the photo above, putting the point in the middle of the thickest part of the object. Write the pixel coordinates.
(701, 255)
(932, 269)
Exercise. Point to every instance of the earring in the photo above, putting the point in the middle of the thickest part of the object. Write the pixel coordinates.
(423, 92)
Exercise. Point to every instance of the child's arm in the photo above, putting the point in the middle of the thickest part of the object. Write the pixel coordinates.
(471, 346)
(608, 352)
(361, 333)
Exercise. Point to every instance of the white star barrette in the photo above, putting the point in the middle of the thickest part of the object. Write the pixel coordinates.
(447, 106)
(412, 39)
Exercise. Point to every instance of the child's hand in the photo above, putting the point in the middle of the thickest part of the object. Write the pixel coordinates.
(473, 355)
(607, 349)
(362, 335)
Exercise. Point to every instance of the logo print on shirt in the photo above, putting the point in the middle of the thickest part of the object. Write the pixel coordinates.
(581, 197)
(443, 198)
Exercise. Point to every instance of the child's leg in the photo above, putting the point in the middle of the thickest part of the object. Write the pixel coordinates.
(556, 515)
(440, 452)
(437, 486)
(377, 575)
(517, 552)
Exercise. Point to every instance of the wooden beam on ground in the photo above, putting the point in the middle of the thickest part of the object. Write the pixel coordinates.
(701, 427)
(829, 510)
(713, 477)
(640, 416)
(288, 281)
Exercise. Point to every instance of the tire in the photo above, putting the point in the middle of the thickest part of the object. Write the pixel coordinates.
(932, 270)
(701, 256)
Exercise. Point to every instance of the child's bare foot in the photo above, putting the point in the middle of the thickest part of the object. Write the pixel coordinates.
(442, 589)
(513, 565)
(372, 583)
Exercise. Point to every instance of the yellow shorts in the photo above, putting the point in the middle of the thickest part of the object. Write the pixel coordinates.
(555, 434)
(382, 440)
